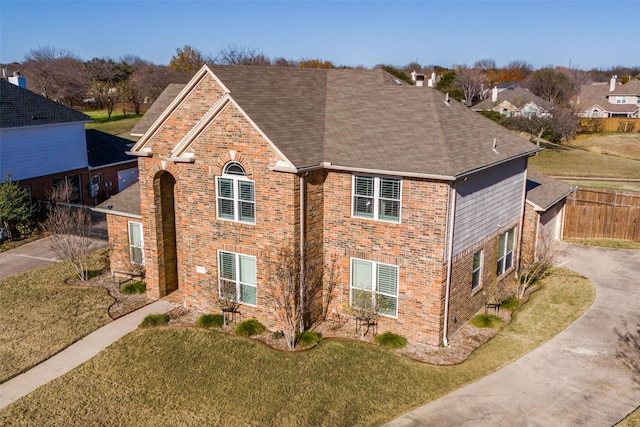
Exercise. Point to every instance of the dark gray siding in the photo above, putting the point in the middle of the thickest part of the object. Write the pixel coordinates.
(487, 201)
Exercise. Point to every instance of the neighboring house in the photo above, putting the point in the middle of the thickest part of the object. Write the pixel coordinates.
(418, 199)
(515, 101)
(111, 169)
(544, 213)
(42, 143)
(614, 100)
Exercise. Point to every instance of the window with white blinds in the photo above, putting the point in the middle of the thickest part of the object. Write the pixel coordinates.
(237, 277)
(377, 197)
(235, 195)
(375, 283)
(136, 249)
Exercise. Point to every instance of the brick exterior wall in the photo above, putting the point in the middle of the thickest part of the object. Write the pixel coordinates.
(41, 187)
(529, 234)
(417, 245)
(118, 227)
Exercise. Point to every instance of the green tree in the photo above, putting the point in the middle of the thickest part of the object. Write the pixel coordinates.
(15, 207)
(187, 59)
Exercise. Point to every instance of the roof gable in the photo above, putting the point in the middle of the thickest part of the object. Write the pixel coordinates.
(543, 191)
(353, 119)
(20, 107)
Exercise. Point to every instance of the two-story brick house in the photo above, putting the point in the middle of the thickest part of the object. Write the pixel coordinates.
(420, 199)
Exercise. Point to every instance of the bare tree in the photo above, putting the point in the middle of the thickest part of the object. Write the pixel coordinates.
(545, 257)
(470, 81)
(295, 288)
(365, 309)
(70, 228)
(240, 55)
(226, 296)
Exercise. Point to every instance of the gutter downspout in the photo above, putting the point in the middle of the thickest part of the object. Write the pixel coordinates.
(302, 254)
(521, 226)
(452, 216)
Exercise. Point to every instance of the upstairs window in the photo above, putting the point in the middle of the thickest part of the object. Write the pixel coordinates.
(236, 195)
(376, 198)
(505, 251)
(621, 99)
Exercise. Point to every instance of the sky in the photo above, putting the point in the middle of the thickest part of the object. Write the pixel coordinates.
(580, 33)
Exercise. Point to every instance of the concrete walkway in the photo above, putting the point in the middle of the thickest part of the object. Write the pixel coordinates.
(76, 354)
(572, 380)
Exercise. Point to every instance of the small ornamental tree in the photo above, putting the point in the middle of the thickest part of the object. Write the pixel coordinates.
(15, 207)
(70, 228)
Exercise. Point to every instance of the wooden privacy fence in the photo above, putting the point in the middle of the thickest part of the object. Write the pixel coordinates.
(602, 214)
(610, 124)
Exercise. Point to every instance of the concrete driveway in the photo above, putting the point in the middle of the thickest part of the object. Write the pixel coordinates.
(33, 255)
(572, 380)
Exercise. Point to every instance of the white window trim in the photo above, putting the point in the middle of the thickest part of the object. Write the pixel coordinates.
(376, 198)
(131, 246)
(501, 258)
(236, 198)
(478, 270)
(374, 284)
(237, 273)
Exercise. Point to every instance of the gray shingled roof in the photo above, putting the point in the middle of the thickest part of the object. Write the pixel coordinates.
(163, 101)
(125, 203)
(362, 119)
(517, 96)
(105, 149)
(630, 88)
(21, 107)
(544, 191)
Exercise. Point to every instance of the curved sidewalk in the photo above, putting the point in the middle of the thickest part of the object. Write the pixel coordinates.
(572, 380)
(77, 353)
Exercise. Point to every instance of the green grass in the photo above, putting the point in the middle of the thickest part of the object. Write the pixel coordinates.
(485, 320)
(210, 321)
(194, 376)
(308, 338)
(573, 162)
(391, 340)
(41, 315)
(249, 328)
(510, 303)
(136, 287)
(606, 243)
(153, 320)
(118, 124)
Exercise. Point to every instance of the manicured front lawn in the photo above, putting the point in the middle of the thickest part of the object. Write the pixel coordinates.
(40, 315)
(117, 124)
(190, 376)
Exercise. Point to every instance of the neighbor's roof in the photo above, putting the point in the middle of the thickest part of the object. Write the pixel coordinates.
(105, 149)
(21, 107)
(160, 104)
(125, 203)
(630, 88)
(544, 191)
(363, 119)
(517, 96)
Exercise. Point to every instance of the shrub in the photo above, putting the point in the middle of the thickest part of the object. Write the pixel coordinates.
(134, 288)
(276, 335)
(510, 303)
(391, 340)
(308, 338)
(250, 327)
(486, 321)
(154, 320)
(210, 321)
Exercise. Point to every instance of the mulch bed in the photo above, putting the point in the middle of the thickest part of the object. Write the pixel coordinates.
(461, 344)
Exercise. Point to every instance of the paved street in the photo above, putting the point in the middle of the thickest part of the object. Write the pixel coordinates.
(32, 255)
(572, 380)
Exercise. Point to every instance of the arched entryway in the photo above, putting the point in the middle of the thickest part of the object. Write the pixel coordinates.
(164, 186)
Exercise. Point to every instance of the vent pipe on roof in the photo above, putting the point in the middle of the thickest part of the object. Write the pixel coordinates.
(612, 83)
(446, 98)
